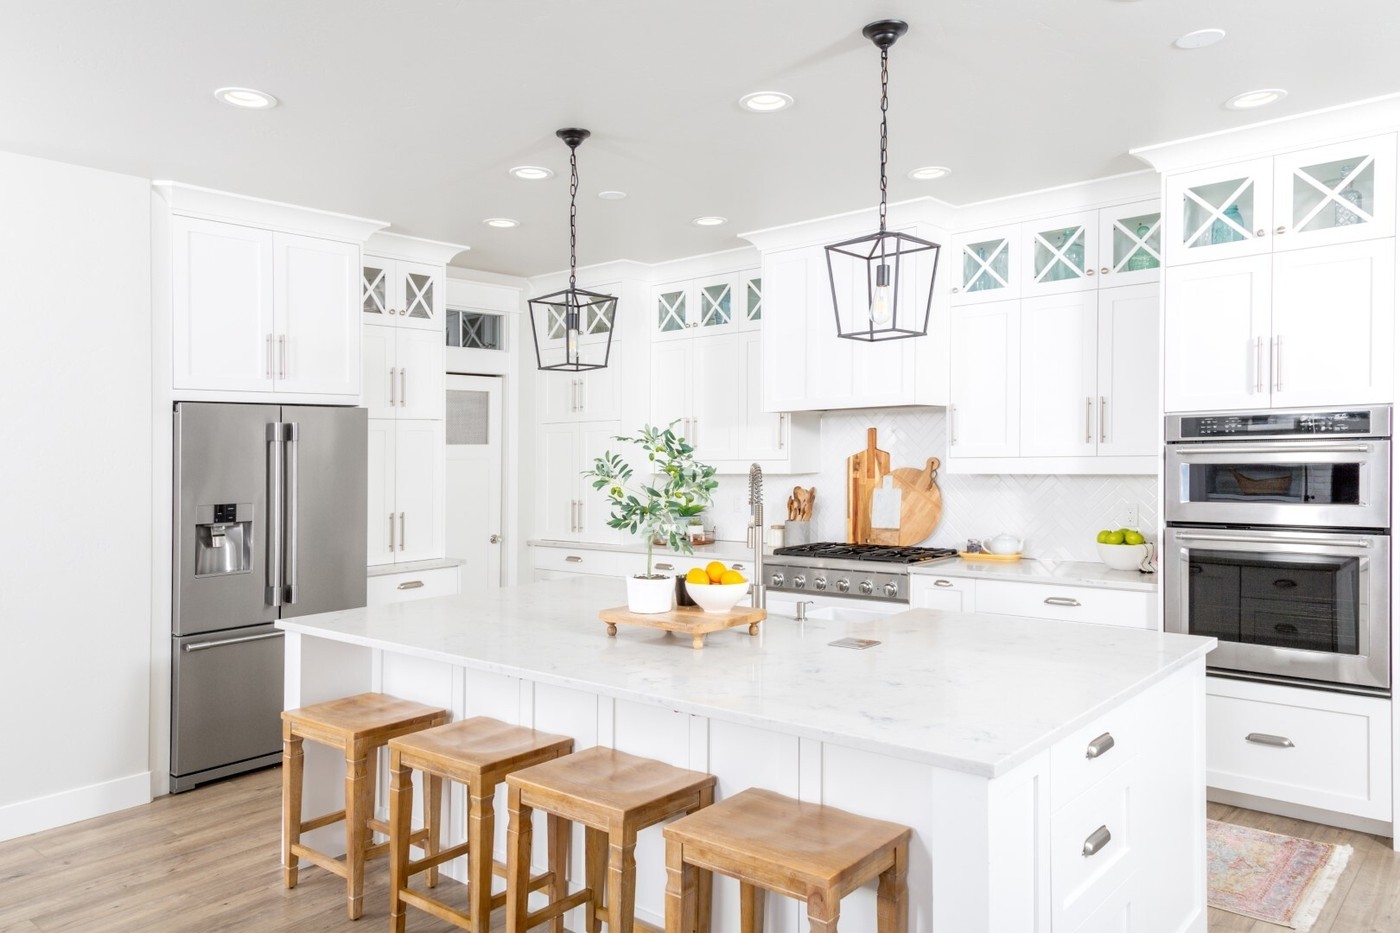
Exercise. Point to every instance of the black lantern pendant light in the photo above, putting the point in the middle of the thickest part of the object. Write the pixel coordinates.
(882, 284)
(560, 321)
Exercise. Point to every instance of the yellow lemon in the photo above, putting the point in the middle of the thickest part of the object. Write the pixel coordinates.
(715, 570)
(732, 576)
(697, 575)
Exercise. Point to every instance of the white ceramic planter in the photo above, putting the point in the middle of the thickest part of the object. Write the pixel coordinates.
(647, 596)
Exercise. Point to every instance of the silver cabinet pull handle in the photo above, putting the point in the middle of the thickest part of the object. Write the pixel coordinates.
(1276, 741)
(942, 582)
(1251, 539)
(393, 398)
(1295, 448)
(1278, 363)
(952, 424)
(661, 566)
(1088, 420)
(1096, 841)
(736, 566)
(573, 559)
(391, 531)
(1099, 746)
(1103, 420)
(232, 641)
(1258, 364)
(411, 585)
(782, 423)
(293, 433)
(273, 588)
(281, 356)
(403, 386)
(1281, 230)
(403, 536)
(269, 356)
(1060, 601)
(1103, 270)
(695, 429)
(495, 539)
(582, 395)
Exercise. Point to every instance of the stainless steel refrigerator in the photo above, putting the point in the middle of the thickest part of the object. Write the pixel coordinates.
(269, 524)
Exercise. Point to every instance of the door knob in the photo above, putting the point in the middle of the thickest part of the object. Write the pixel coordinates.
(495, 539)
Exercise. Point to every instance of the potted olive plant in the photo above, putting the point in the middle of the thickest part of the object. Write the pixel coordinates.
(658, 507)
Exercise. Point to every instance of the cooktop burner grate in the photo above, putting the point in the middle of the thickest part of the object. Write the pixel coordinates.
(878, 553)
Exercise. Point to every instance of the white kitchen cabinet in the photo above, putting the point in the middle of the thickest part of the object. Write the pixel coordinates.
(1100, 605)
(590, 395)
(1130, 244)
(403, 293)
(568, 507)
(711, 305)
(1299, 327)
(750, 300)
(403, 373)
(1313, 748)
(953, 594)
(1128, 367)
(985, 265)
(1325, 195)
(262, 311)
(408, 585)
(984, 405)
(1060, 253)
(407, 490)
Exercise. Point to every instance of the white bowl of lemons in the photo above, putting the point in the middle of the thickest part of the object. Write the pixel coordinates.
(1123, 549)
(716, 588)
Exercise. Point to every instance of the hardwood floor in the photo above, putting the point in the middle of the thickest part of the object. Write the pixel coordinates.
(182, 865)
(1367, 897)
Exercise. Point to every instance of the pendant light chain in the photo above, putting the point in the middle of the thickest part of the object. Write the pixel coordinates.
(884, 130)
(573, 217)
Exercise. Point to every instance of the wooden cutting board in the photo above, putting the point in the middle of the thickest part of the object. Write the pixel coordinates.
(865, 472)
(920, 506)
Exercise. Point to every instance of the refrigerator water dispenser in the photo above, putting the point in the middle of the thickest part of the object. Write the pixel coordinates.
(223, 539)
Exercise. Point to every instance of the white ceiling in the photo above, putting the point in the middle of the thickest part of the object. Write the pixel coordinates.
(411, 111)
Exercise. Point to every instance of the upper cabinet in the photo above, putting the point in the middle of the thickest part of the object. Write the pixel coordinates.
(716, 304)
(262, 298)
(402, 293)
(1339, 193)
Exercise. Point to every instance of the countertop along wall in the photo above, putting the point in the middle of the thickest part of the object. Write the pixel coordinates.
(1057, 515)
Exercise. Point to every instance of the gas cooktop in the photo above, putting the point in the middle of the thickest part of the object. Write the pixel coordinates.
(880, 553)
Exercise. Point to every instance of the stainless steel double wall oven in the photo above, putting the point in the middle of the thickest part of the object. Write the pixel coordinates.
(1278, 543)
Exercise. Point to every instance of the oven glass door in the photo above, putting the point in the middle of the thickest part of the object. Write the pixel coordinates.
(1286, 604)
(1336, 484)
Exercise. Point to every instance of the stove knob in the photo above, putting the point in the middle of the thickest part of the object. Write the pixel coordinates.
(777, 579)
(843, 584)
(799, 581)
(892, 589)
(819, 583)
(867, 587)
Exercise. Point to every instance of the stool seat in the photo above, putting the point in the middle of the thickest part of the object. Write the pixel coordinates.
(477, 753)
(809, 851)
(356, 726)
(604, 782)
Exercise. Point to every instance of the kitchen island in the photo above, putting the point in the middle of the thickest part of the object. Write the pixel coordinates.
(1053, 773)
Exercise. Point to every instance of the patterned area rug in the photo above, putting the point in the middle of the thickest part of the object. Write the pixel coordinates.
(1280, 879)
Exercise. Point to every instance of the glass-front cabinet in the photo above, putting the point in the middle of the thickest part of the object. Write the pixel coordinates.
(1061, 253)
(1338, 193)
(1130, 244)
(407, 294)
(984, 268)
(751, 285)
(711, 305)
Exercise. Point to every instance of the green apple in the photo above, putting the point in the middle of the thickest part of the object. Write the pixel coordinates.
(1103, 536)
(1114, 537)
(1133, 537)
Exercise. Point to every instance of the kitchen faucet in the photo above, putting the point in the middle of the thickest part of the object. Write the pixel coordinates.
(758, 596)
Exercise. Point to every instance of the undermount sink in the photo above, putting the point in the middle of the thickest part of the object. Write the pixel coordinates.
(843, 614)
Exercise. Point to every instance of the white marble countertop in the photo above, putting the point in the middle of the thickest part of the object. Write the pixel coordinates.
(416, 566)
(1065, 573)
(720, 550)
(972, 692)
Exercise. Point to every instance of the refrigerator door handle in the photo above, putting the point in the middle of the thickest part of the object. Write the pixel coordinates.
(273, 584)
(292, 436)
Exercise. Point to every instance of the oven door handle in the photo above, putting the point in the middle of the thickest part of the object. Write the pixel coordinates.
(1259, 539)
(1294, 448)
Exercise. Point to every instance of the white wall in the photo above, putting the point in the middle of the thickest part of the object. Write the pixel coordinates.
(75, 493)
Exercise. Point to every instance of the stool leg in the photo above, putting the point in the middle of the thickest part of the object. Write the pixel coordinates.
(595, 876)
(750, 908)
(680, 890)
(481, 828)
(704, 891)
(400, 826)
(432, 821)
(823, 910)
(892, 899)
(560, 837)
(359, 798)
(622, 880)
(517, 863)
(292, 764)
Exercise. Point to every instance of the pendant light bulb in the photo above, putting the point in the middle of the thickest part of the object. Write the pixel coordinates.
(881, 306)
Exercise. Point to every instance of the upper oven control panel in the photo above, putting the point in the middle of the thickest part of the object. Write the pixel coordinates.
(1226, 425)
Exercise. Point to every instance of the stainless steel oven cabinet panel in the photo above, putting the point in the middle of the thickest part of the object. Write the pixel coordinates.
(1324, 483)
(1240, 576)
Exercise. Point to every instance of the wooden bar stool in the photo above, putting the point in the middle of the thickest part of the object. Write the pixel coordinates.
(614, 795)
(357, 726)
(477, 753)
(815, 853)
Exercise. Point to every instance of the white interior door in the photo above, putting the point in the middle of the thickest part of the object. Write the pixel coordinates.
(474, 492)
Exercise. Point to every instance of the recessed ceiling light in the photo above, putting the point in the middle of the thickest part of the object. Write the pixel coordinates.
(1199, 39)
(501, 222)
(765, 101)
(532, 172)
(1251, 99)
(612, 195)
(710, 221)
(929, 172)
(246, 97)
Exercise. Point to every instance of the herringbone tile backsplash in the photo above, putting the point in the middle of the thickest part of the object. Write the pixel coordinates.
(1058, 516)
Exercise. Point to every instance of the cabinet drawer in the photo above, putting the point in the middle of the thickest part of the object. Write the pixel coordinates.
(947, 593)
(1309, 747)
(1087, 756)
(586, 560)
(1067, 603)
(401, 587)
(1098, 821)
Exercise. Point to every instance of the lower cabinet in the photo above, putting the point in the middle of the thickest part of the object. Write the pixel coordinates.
(1100, 605)
(950, 593)
(552, 563)
(404, 585)
(1313, 748)
(407, 490)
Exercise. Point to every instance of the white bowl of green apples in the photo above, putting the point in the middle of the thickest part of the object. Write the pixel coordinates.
(1122, 549)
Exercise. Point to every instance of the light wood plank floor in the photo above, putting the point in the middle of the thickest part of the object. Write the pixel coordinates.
(208, 861)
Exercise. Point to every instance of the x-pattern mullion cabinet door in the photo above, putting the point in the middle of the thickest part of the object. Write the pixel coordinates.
(986, 266)
(1339, 193)
(1220, 213)
(422, 296)
(1060, 254)
(671, 314)
(749, 306)
(375, 291)
(1130, 244)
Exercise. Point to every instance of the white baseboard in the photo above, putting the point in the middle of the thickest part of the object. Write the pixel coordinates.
(1297, 811)
(70, 806)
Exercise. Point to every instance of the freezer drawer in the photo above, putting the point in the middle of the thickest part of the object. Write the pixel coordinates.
(226, 702)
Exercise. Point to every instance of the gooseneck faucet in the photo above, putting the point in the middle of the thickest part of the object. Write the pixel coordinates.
(758, 593)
